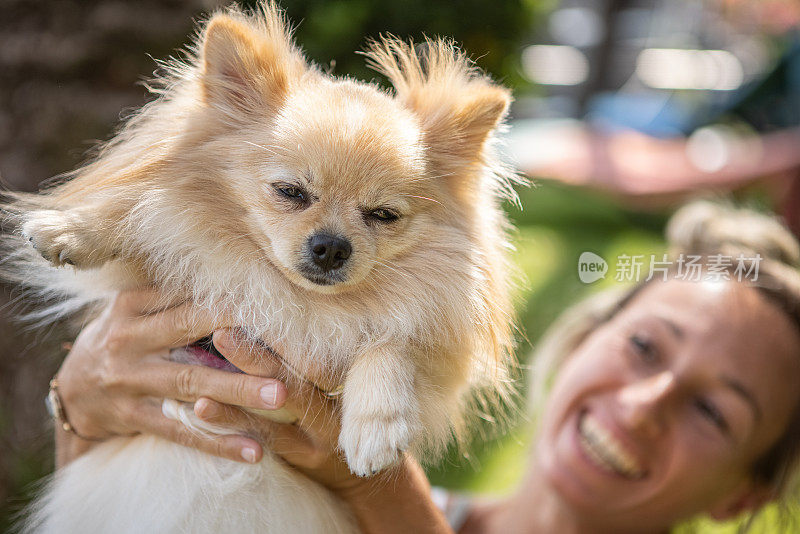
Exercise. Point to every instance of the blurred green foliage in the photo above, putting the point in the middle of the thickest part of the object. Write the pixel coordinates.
(491, 32)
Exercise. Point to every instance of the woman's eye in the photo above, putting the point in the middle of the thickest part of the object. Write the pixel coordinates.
(708, 410)
(384, 215)
(290, 191)
(644, 348)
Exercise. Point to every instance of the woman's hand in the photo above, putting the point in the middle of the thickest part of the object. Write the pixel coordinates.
(310, 443)
(117, 373)
(396, 500)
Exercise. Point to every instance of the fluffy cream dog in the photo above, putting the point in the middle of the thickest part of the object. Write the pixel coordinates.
(360, 229)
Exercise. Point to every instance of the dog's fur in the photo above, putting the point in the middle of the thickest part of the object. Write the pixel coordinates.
(187, 197)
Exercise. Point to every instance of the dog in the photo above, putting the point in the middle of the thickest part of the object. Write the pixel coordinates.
(360, 227)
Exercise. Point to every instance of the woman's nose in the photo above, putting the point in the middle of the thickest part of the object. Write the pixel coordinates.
(644, 403)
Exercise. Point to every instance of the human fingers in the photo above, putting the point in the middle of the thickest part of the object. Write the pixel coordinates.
(287, 440)
(221, 414)
(171, 328)
(309, 444)
(247, 354)
(150, 419)
(304, 399)
(188, 383)
(256, 358)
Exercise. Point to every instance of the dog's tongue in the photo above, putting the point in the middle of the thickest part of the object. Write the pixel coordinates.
(206, 354)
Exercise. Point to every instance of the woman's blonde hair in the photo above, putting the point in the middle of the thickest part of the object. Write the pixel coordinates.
(701, 228)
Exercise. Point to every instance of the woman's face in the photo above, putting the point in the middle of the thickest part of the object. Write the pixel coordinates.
(661, 412)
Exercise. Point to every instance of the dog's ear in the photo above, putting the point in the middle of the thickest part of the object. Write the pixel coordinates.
(249, 63)
(458, 107)
(456, 133)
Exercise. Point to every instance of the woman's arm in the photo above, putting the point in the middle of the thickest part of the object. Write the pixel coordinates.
(396, 501)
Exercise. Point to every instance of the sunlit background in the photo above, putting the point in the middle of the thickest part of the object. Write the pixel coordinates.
(624, 108)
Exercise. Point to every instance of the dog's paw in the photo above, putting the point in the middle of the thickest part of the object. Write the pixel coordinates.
(372, 443)
(46, 232)
(50, 233)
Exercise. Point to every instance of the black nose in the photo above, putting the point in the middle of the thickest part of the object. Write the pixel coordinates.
(329, 252)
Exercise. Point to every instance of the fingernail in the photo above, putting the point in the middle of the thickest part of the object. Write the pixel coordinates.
(200, 407)
(269, 394)
(249, 455)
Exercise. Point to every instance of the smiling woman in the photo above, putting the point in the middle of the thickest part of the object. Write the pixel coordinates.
(660, 412)
(675, 397)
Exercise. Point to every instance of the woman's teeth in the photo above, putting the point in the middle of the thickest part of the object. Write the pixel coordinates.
(605, 450)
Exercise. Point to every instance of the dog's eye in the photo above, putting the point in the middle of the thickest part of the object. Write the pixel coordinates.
(291, 191)
(383, 215)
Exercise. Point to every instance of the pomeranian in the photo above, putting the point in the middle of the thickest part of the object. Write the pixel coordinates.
(360, 228)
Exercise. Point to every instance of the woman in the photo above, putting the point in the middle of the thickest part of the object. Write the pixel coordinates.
(667, 400)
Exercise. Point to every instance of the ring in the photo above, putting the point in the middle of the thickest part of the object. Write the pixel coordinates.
(56, 410)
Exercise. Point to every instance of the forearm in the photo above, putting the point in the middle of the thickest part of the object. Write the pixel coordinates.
(397, 501)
